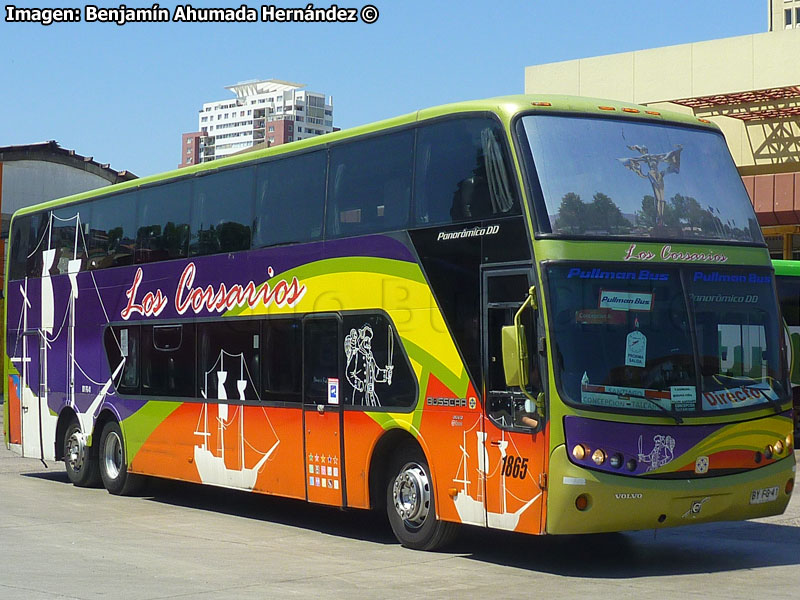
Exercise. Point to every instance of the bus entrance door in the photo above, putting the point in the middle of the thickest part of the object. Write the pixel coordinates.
(322, 410)
(514, 442)
(33, 393)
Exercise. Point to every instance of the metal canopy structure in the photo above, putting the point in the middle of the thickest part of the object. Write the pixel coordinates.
(754, 105)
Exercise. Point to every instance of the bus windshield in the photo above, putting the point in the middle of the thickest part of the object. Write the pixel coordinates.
(609, 177)
(623, 338)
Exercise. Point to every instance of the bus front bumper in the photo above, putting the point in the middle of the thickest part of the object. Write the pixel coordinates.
(620, 503)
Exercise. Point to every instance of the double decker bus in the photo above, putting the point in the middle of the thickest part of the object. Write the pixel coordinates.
(787, 280)
(545, 315)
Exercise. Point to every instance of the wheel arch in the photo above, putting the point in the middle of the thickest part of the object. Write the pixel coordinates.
(65, 417)
(386, 447)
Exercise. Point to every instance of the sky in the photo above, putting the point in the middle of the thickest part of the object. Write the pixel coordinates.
(125, 94)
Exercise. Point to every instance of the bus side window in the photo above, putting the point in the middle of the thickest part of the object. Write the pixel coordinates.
(25, 258)
(370, 185)
(281, 365)
(227, 356)
(163, 222)
(112, 231)
(290, 200)
(122, 350)
(222, 212)
(167, 360)
(462, 172)
(68, 237)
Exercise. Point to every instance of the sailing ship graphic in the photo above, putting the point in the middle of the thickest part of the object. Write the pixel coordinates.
(36, 412)
(213, 463)
(470, 500)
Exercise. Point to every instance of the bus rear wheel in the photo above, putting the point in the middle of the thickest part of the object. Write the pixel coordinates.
(113, 465)
(81, 464)
(411, 504)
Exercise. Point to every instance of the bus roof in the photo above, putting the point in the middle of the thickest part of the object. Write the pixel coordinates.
(505, 106)
(787, 267)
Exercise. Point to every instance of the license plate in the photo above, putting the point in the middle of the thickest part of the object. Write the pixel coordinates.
(764, 495)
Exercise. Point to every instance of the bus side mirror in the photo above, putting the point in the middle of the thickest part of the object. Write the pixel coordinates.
(515, 358)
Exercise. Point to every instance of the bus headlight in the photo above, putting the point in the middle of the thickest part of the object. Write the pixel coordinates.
(779, 447)
(599, 457)
(579, 452)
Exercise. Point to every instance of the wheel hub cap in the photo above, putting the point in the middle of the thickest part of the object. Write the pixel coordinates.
(412, 495)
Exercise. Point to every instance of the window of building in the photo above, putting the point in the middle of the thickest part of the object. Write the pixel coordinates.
(370, 185)
(787, 16)
(289, 200)
(462, 172)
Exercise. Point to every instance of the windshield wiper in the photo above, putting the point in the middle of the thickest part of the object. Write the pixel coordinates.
(775, 403)
(670, 412)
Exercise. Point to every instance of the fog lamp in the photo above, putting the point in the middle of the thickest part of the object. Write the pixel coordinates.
(599, 457)
(582, 502)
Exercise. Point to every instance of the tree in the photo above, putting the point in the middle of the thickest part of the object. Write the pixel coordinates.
(572, 217)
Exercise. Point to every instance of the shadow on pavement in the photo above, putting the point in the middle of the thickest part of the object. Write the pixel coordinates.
(708, 548)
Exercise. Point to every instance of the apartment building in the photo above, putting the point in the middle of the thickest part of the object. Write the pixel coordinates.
(262, 112)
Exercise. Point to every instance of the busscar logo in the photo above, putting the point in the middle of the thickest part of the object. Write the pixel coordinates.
(452, 402)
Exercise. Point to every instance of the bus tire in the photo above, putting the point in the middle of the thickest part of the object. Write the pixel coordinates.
(80, 462)
(113, 465)
(411, 505)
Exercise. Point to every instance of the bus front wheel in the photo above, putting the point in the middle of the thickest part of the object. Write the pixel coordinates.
(113, 465)
(81, 464)
(411, 505)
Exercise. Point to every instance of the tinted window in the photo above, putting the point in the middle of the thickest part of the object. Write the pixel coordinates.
(320, 356)
(67, 237)
(167, 356)
(163, 221)
(377, 372)
(122, 350)
(462, 172)
(623, 177)
(228, 359)
(222, 213)
(26, 233)
(290, 200)
(112, 231)
(369, 185)
(282, 367)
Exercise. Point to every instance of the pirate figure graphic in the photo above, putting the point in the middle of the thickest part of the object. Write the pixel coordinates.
(362, 369)
(662, 453)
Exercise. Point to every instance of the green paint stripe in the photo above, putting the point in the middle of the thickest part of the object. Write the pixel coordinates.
(457, 384)
(617, 250)
(141, 424)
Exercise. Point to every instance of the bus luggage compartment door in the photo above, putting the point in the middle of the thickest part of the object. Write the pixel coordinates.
(322, 411)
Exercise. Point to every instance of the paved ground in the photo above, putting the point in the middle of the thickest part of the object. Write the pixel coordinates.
(186, 541)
